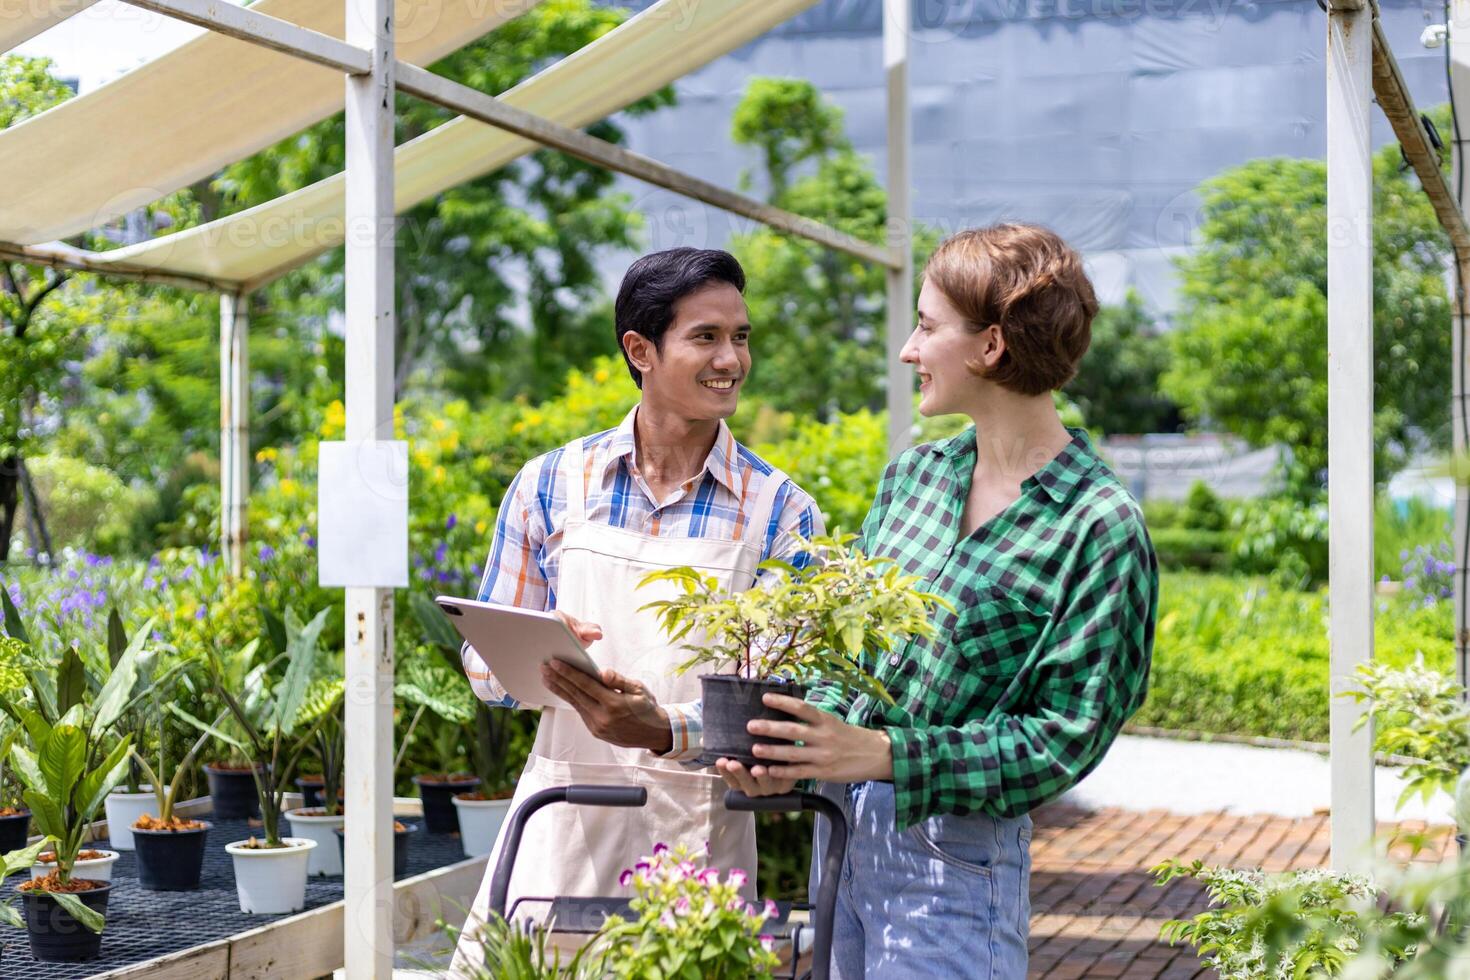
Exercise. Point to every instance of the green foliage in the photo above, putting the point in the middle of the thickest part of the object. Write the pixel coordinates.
(1117, 387)
(817, 622)
(837, 462)
(1419, 713)
(1401, 526)
(512, 951)
(689, 924)
(1238, 655)
(1282, 926)
(1281, 537)
(1253, 318)
(90, 508)
(18, 862)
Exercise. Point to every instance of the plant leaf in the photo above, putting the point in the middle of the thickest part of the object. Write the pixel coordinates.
(90, 918)
(118, 690)
(92, 793)
(22, 859)
(292, 689)
(46, 813)
(62, 758)
(205, 726)
(14, 626)
(71, 681)
(117, 637)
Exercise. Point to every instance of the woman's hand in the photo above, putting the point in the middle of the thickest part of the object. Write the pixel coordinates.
(830, 750)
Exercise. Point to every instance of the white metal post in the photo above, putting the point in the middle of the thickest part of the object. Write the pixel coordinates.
(1459, 42)
(368, 886)
(900, 224)
(1350, 419)
(234, 426)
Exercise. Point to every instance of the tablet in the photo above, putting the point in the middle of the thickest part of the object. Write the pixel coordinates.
(514, 643)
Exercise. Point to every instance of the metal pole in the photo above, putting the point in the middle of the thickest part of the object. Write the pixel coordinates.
(1350, 420)
(368, 887)
(234, 426)
(900, 224)
(1459, 42)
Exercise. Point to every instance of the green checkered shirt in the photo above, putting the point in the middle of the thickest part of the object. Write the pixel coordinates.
(1027, 683)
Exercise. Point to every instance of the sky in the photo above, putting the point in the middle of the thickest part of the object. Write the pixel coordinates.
(105, 40)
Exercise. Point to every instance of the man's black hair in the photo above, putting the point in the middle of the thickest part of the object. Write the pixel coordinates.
(657, 281)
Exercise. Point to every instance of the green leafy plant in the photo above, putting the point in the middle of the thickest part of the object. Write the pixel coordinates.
(444, 707)
(816, 622)
(322, 710)
(1419, 713)
(513, 951)
(274, 731)
(167, 783)
(1284, 926)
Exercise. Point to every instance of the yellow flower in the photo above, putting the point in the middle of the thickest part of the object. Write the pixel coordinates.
(439, 425)
(601, 376)
(438, 474)
(480, 527)
(289, 487)
(267, 455)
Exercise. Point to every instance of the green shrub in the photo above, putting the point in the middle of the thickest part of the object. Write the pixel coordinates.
(1188, 548)
(1400, 526)
(1238, 655)
(86, 507)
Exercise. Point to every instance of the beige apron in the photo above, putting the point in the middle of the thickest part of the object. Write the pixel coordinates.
(581, 850)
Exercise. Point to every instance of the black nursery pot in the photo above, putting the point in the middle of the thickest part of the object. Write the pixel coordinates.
(14, 831)
(232, 792)
(440, 816)
(170, 860)
(400, 846)
(730, 701)
(57, 937)
(311, 791)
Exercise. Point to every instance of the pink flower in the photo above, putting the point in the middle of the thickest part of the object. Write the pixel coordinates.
(709, 876)
(667, 919)
(660, 848)
(626, 878)
(771, 910)
(768, 943)
(737, 878)
(681, 907)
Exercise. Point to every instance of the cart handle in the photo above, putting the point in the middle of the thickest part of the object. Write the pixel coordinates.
(824, 912)
(579, 795)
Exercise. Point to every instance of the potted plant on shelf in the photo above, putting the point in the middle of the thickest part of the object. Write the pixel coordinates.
(270, 872)
(316, 821)
(428, 682)
(68, 769)
(134, 797)
(436, 691)
(15, 817)
(820, 622)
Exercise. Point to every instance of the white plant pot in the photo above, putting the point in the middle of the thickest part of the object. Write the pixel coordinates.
(95, 869)
(326, 858)
(479, 824)
(123, 810)
(271, 881)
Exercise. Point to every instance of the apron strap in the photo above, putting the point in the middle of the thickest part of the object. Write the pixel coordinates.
(761, 514)
(573, 467)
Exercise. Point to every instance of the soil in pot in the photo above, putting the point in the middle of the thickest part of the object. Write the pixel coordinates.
(402, 834)
(15, 829)
(730, 702)
(170, 855)
(91, 865)
(232, 791)
(122, 809)
(437, 790)
(56, 936)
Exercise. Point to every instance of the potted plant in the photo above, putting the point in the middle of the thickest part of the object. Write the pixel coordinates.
(270, 873)
(134, 797)
(444, 708)
(15, 817)
(402, 837)
(317, 820)
(480, 810)
(170, 849)
(821, 622)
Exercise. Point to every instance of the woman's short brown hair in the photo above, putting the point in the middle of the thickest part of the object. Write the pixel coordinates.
(1031, 283)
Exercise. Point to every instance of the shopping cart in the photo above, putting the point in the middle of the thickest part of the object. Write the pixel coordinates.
(583, 915)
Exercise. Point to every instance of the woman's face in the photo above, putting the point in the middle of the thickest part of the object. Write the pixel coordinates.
(939, 348)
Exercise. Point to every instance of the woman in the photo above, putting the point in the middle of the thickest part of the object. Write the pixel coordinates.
(1054, 583)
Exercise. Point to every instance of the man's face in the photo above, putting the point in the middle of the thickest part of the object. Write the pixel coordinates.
(705, 355)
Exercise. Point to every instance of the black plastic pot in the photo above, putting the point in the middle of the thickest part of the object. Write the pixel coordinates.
(14, 831)
(233, 793)
(57, 937)
(439, 814)
(730, 701)
(400, 846)
(170, 860)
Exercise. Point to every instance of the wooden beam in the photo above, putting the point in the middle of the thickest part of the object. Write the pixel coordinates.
(1350, 492)
(487, 109)
(1398, 105)
(56, 256)
(899, 321)
(244, 24)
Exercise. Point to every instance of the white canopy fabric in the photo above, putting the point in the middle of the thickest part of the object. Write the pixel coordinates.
(21, 20)
(666, 41)
(183, 116)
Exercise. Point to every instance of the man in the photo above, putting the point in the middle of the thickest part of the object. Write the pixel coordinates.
(578, 530)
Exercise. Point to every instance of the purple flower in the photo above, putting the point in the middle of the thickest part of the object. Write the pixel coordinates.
(449, 524)
(660, 848)
(440, 553)
(199, 613)
(626, 878)
(267, 552)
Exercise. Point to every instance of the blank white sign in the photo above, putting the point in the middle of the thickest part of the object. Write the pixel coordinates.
(362, 514)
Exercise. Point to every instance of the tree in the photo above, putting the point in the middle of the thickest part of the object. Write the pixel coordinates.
(40, 323)
(1250, 349)
(818, 314)
(1117, 388)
